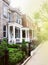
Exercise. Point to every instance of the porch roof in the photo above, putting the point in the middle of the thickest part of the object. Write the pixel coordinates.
(15, 24)
(25, 28)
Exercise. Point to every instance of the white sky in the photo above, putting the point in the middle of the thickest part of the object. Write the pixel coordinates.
(27, 6)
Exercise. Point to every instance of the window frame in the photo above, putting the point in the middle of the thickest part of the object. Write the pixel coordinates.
(18, 19)
(5, 31)
(17, 34)
(9, 17)
(5, 10)
(23, 34)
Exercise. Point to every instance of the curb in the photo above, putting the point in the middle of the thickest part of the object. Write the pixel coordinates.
(26, 61)
(32, 54)
(36, 49)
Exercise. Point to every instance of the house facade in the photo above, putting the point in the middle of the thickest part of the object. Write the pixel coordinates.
(13, 25)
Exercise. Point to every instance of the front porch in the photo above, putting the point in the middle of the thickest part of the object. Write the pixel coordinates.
(16, 34)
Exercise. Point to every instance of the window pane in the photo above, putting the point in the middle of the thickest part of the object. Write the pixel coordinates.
(23, 33)
(17, 33)
(4, 28)
(9, 17)
(4, 31)
(5, 10)
(4, 34)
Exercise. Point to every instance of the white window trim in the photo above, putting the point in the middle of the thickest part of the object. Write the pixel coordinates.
(9, 17)
(5, 9)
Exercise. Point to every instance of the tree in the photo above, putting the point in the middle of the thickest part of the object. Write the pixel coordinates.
(42, 17)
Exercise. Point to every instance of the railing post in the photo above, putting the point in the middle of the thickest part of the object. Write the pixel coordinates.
(29, 48)
(0, 41)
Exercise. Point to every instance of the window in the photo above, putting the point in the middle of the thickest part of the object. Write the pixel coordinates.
(17, 33)
(9, 17)
(5, 12)
(18, 19)
(4, 31)
(23, 33)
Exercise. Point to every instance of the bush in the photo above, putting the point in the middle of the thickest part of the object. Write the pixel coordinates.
(13, 46)
(24, 47)
(15, 56)
(5, 39)
(3, 47)
(1, 50)
(13, 50)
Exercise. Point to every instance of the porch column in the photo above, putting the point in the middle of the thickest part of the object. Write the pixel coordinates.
(26, 34)
(20, 35)
(32, 34)
(8, 34)
(14, 34)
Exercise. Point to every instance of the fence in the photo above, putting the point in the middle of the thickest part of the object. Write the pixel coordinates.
(4, 59)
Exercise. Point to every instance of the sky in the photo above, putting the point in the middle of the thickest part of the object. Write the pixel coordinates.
(27, 6)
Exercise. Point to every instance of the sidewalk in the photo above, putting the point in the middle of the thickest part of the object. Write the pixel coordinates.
(36, 49)
(32, 54)
(40, 56)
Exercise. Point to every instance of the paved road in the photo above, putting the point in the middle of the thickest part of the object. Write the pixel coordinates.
(41, 56)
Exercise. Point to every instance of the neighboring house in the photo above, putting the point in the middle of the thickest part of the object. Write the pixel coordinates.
(13, 25)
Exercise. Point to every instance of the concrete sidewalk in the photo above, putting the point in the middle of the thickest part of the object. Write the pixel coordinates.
(41, 55)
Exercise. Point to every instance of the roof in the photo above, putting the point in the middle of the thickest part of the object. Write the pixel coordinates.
(7, 1)
(15, 10)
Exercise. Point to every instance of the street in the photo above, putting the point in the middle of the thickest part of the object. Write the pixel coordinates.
(41, 56)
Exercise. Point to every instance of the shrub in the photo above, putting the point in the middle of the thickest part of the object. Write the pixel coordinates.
(5, 39)
(13, 46)
(1, 50)
(3, 47)
(15, 56)
(24, 47)
(13, 50)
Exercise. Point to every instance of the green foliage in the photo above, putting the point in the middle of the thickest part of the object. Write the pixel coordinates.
(3, 47)
(15, 56)
(42, 15)
(24, 47)
(5, 39)
(14, 46)
(12, 50)
(1, 50)
(45, 6)
(37, 15)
